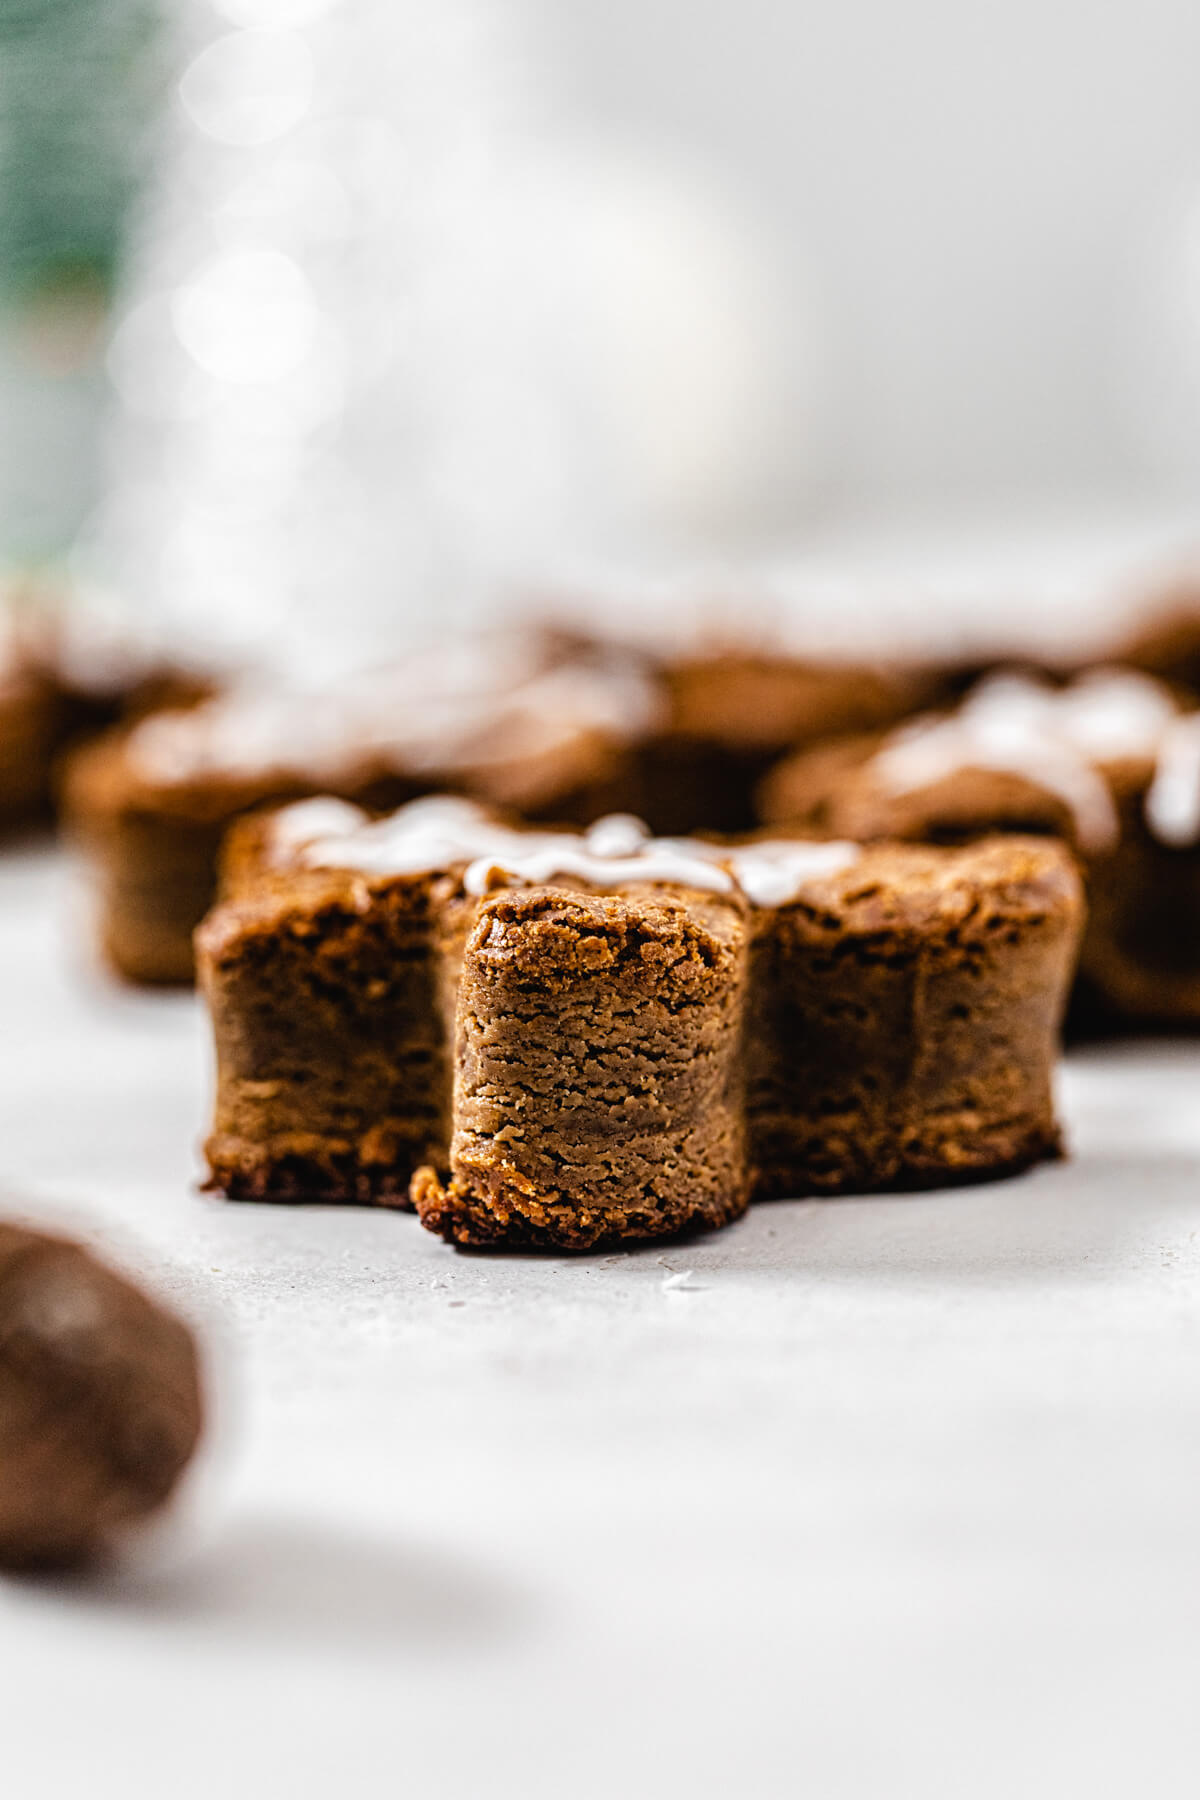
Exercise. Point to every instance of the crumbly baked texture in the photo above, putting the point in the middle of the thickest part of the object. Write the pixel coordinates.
(598, 1083)
(100, 1402)
(905, 1016)
(333, 1058)
(575, 1045)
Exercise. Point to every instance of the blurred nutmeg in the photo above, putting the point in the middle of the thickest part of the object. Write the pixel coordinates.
(100, 1403)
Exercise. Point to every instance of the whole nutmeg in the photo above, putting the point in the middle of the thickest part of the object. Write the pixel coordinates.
(100, 1404)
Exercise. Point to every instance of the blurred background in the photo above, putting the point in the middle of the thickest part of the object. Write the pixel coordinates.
(335, 312)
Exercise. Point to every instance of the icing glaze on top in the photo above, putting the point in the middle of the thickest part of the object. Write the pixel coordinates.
(294, 830)
(441, 834)
(1057, 738)
(616, 852)
(775, 873)
(618, 834)
(468, 707)
(428, 835)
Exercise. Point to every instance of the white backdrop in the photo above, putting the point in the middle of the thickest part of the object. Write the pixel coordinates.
(986, 205)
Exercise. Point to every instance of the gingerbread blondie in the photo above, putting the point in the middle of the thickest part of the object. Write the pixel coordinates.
(606, 1037)
(507, 720)
(905, 1007)
(1110, 763)
(333, 1075)
(598, 1091)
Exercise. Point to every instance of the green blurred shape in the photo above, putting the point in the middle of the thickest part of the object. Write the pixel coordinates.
(79, 81)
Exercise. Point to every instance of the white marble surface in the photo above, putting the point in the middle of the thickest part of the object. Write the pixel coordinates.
(889, 1497)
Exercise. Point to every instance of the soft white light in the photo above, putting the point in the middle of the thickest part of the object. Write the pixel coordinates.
(335, 398)
(249, 87)
(292, 200)
(267, 13)
(249, 315)
(143, 360)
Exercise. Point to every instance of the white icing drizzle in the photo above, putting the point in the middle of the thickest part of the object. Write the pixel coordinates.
(1173, 803)
(775, 873)
(1056, 738)
(295, 830)
(666, 860)
(442, 833)
(618, 834)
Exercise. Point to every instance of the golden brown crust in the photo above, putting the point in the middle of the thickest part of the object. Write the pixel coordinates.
(905, 1019)
(611, 1049)
(910, 890)
(333, 1071)
(597, 1088)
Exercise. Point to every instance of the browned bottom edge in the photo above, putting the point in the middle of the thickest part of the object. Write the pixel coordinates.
(797, 1181)
(463, 1217)
(301, 1180)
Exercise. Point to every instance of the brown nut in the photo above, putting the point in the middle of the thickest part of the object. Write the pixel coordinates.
(100, 1405)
